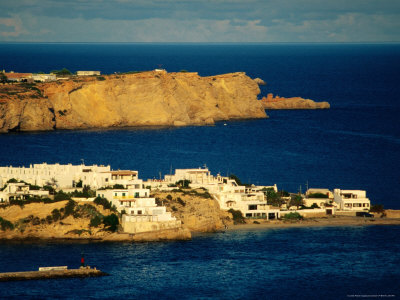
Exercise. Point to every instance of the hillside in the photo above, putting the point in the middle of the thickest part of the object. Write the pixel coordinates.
(197, 210)
(140, 99)
(65, 221)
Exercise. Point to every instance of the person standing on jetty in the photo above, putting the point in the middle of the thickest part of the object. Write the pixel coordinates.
(82, 260)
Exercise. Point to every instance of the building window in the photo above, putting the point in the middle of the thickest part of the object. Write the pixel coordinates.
(123, 194)
(252, 207)
(248, 215)
(139, 212)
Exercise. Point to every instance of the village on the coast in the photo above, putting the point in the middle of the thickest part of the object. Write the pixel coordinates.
(140, 212)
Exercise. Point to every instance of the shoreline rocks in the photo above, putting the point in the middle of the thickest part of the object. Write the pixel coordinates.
(271, 102)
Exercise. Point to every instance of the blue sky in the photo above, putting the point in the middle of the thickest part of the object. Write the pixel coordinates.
(200, 20)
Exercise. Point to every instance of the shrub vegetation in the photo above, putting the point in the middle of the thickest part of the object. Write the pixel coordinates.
(293, 216)
(237, 216)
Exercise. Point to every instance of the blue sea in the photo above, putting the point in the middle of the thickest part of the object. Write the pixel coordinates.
(353, 145)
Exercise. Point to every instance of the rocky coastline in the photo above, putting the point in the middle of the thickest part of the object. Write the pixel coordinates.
(198, 215)
(275, 102)
(153, 98)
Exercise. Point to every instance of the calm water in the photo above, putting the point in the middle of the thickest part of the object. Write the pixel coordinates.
(316, 263)
(354, 145)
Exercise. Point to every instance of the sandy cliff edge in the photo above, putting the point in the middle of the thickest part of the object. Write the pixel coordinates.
(141, 99)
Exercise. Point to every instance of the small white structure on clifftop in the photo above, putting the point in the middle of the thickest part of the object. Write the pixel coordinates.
(87, 73)
(44, 77)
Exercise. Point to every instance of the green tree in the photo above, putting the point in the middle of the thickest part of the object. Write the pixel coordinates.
(314, 205)
(296, 200)
(5, 224)
(378, 208)
(79, 183)
(95, 221)
(237, 216)
(60, 196)
(62, 72)
(273, 198)
(3, 77)
(52, 182)
(118, 186)
(183, 183)
(293, 216)
(111, 222)
(103, 202)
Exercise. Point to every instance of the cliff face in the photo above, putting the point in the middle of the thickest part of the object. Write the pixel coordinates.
(197, 211)
(142, 99)
(271, 102)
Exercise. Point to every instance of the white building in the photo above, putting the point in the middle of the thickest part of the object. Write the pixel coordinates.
(250, 201)
(20, 191)
(141, 211)
(196, 176)
(44, 77)
(353, 200)
(87, 73)
(63, 176)
(318, 196)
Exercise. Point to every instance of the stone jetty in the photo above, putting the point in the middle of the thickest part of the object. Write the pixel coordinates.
(52, 273)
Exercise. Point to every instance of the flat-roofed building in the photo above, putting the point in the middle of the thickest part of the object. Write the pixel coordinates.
(44, 77)
(87, 73)
(353, 200)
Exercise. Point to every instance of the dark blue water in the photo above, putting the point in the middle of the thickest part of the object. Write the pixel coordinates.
(354, 145)
(314, 263)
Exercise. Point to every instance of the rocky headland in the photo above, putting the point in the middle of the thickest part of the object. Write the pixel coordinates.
(76, 220)
(271, 102)
(154, 98)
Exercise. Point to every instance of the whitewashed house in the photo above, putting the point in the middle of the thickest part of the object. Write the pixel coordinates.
(62, 176)
(20, 191)
(198, 177)
(44, 77)
(312, 197)
(141, 211)
(351, 200)
(87, 73)
(250, 201)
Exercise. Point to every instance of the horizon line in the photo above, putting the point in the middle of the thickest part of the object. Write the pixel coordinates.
(203, 43)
